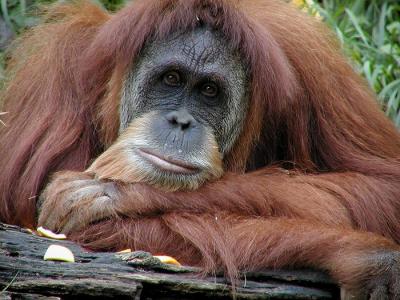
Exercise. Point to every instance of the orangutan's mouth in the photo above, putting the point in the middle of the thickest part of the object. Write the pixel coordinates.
(167, 163)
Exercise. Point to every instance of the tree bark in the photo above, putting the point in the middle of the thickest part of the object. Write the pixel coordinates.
(25, 275)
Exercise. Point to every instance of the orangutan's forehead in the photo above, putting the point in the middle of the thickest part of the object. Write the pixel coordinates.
(199, 48)
(202, 46)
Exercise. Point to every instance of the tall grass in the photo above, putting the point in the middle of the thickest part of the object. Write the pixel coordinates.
(368, 30)
(370, 34)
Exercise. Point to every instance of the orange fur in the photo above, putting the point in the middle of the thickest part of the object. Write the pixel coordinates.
(327, 185)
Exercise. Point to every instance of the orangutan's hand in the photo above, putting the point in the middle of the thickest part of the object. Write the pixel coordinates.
(73, 200)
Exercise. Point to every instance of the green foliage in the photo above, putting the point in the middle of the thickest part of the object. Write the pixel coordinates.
(370, 34)
(15, 13)
(113, 5)
(369, 31)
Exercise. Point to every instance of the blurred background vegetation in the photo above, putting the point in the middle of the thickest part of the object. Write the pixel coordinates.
(368, 30)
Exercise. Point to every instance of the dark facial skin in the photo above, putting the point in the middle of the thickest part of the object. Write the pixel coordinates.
(189, 89)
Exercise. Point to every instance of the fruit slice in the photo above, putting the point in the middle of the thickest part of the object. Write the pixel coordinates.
(59, 253)
(50, 234)
(167, 260)
(125, 251)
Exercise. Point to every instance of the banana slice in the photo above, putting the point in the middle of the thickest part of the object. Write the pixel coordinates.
(167, 260)
(125, 251)
(59, 253)
(50, 234)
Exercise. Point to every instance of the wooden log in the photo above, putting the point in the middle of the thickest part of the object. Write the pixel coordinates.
(25, 275)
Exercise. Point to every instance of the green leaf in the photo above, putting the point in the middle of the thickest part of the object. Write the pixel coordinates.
(380, 35)
(356, 24)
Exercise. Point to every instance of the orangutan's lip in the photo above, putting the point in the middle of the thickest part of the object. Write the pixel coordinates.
(167, 163)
